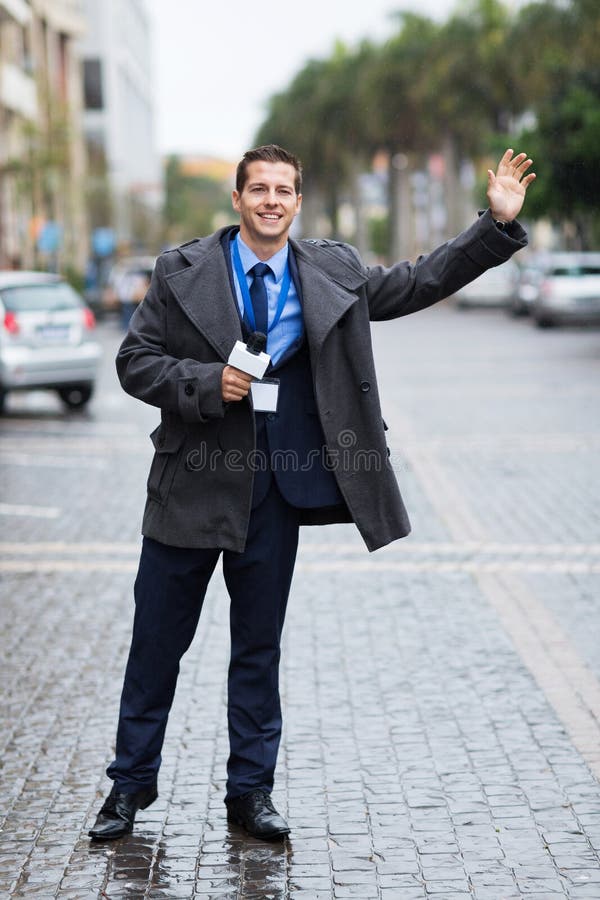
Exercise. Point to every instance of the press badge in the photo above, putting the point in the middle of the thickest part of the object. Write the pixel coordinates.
(265, 394)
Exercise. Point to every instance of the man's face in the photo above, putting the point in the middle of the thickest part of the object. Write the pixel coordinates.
(267, 204)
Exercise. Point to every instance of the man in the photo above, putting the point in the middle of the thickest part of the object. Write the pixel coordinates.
(234, 476)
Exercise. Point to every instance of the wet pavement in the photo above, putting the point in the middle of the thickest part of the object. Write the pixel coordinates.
(441, 697)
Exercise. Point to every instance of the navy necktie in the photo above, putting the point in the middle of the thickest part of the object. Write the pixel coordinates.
(258, 295)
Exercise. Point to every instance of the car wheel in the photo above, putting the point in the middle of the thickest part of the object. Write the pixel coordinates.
(75, 396)
(516, 309)
(543, 321)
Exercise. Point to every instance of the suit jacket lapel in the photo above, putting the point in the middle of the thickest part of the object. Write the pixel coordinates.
(204, 293)
(328, 288)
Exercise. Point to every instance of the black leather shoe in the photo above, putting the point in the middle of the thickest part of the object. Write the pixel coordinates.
(117, 815)
(256, 813)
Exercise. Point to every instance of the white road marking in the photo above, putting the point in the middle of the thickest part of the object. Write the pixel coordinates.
(41, 461)
(12, 548)
(67, 565)
(437, 567)
(308, 549)
(37, 512)
(473, 566)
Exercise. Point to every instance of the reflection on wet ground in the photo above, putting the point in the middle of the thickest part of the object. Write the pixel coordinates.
(228, 863)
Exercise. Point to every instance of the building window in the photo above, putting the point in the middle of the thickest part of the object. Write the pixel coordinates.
(92, 84)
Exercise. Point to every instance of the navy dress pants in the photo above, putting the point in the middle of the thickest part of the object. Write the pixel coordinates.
(169, 591)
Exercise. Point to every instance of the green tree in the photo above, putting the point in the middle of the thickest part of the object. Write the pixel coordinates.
(191, 203)
(395, 115)
(319, 117)
(466, 87)
(565, 146)
(473, 88)
(564, 97)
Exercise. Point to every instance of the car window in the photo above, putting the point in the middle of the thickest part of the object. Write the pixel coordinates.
(574, 271)
(33, 297)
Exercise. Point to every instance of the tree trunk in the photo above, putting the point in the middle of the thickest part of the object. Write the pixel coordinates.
(361, 238)
(452, 188)
(400, 207)
(311, 210)
(333, 202)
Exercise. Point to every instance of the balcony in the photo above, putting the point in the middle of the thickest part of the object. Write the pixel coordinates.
(66, 16)
(17, 10)
(17, 91)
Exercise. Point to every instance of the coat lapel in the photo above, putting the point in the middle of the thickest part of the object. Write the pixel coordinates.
(328, 286)
(204, 293)
(328, 290)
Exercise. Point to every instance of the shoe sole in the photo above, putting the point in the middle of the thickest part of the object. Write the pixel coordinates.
(109, 837)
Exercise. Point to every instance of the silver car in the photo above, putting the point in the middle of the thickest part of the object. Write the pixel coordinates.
(527, 288)
(493, 288)
(46, 338)
(569, 290)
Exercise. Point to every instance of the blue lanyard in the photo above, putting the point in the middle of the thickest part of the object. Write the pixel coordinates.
(248, 308)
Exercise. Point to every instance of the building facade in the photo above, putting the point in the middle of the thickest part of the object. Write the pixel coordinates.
(42, 151)
(124, 164)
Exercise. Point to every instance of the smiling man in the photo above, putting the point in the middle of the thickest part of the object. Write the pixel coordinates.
(233, 477)
(268, 201)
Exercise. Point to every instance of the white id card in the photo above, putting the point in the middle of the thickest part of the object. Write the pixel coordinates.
(265, 394)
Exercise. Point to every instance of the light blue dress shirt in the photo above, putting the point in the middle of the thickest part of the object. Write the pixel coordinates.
(289, 328)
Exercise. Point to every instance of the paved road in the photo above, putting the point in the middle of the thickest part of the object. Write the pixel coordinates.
(442, 696)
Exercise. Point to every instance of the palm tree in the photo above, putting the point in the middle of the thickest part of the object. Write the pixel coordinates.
(319, 117)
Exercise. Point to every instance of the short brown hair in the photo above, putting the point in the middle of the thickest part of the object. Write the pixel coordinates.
(268, 153)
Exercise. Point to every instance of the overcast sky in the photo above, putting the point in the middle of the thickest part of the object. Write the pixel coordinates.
(217, 63)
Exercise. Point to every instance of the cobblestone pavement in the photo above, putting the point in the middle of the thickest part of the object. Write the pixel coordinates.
(441, 697)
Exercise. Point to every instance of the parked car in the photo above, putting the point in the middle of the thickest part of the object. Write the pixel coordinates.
(46, 338)
(569, 290)
(493, 288)
(527, 287)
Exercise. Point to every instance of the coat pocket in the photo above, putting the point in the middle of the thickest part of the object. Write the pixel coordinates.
(168, 444)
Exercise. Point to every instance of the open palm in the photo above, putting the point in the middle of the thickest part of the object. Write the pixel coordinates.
(506, 189)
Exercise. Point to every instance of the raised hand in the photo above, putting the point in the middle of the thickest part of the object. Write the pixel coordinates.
(506, 189)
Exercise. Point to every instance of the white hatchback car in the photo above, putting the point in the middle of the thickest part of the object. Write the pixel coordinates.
(493, 288)
(569, 290)
(46, 338)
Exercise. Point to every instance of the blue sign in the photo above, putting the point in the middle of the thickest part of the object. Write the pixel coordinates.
(50, 237)
(103, 241)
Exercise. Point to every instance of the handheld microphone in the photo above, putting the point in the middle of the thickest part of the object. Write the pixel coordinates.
(257, 343)
(250, 357)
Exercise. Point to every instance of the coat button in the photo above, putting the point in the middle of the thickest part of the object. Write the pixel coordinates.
(365, 386)
(271, 417)
(189, 389)
(341, 323)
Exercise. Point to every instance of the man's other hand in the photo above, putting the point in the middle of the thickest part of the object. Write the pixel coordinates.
(235, 384)
(506, 189)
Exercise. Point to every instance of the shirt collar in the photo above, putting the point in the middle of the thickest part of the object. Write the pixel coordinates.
(277, 262)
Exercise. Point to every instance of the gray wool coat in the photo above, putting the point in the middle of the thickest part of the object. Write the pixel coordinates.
(200, 481)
